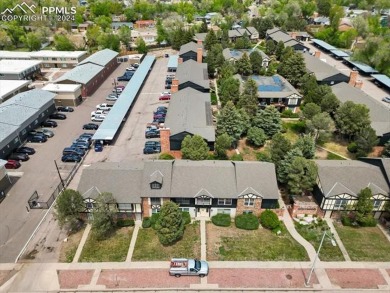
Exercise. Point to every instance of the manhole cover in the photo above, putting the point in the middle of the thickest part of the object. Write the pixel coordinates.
(288, 277)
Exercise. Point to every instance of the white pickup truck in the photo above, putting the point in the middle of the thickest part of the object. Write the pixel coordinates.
(98, 113)
(104, 107)
(188, 267)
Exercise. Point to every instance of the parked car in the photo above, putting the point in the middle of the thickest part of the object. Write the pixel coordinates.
(83, 139)
(151, 150)
(104, 107)
(188, 267)
(168, 86)
(153, 143)
(49, 123)
(57, 116)
(36, 138)
(112, 97)
(159, 115)
(162, 109)
(65, 109)
(80, 145)
(12, 164)
(90, 126)
(152, 133)
(98, 118)
(166, 55)
(99, 113)
(74, 151)
(131, 68)
(43, 131)
(386, 99)
(135, 65)
(165, 98)
(71, 158)
(18, 157)
(120, 87)
(159, 120)
(86, 134)
(25, 150)
(165, 93)
(117, 90)
(98, 146)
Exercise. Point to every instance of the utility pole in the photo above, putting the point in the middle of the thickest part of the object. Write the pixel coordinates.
(59, 174)
(116, 90)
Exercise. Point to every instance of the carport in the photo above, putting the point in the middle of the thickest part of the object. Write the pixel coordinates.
(117, 114)
(339, 54)
(382, 80)
(323, 45)
(173, 62)
(363, 68)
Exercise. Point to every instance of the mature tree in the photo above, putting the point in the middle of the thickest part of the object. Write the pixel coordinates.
(293, 68)
(5, 40)
(310, 110)
(386, 150)
(109, 41)
(308, 8)
(360, 24)
(229, 90)
(269, 120)
(279, 147)
(225, 40)
(68, 206)
(214, 59)
(162, 34)
(329, 103)
(335, 15)
(62, 43)
(210, 40)
(317, 93)
(32, 41)
(270, 47)
(365, 140)
(15, 32)
(124, 34)
(249, 98)
(244, 66)
(287, 53)
(364, 205)
(231, 121)
(141, 46)
(256, 61)
(351, 118)
(308, 83)
(227, 70)
(324, 7)
(262, 24)
(93, 33)
(283, 167)
(222, 144)
(104, 22)
(194, 148)
(279, 49)
(170, 223)
(302, 175)
(256, 136)
(203, 28)
(243, 42)
(104, 211)
(306, 145)
(320, 126)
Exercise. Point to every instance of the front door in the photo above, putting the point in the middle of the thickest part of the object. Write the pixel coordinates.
(203, 212)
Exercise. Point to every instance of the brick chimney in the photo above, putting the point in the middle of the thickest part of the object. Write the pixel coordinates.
(359, 84)
(294, 35)
(353, 77)
(199, 55)
(317, 54)
(199, 42)
(175, 86)
(165, 133)
(180, 60)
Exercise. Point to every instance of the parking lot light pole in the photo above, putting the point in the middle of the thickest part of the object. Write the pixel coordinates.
(116, 90)
(307, 282)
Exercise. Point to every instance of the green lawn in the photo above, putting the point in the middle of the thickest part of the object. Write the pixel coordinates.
(314, 234)
(293, 130)
(112, 249)
(364, 243)
(149, 248)
(233, 244)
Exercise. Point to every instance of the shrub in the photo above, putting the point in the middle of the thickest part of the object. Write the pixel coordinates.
(369, 221)
(264, 157)
(186, 218)
(214, 100)
(269, 220)
(146, 223)
(289, 114)
(125, 223)
(247, 222)
(166, 156)
(237, 157)
(154, 219)
(222, 220)
(352, 147)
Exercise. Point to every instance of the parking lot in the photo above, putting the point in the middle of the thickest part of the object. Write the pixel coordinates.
(39, 174)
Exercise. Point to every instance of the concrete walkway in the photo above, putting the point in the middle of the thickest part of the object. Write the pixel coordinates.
(133, 240)
(82, 243)
(203, 245)
(337, 238)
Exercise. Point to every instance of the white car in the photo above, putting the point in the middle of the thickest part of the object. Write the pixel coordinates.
(98, 112)
(118, 90)
(165, 94)
(104, 107)
(112, 97)
(98, 118)
(131, 68)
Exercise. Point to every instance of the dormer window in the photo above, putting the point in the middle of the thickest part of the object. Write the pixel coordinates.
(155, 185)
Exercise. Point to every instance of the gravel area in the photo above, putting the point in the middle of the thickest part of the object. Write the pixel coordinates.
(143, 278)
(259, 278)
(356, 278)
(71, 279)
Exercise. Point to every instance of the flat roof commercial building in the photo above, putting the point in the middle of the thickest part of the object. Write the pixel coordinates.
(9, 88)
(59, 59)
(66, 94)
(19, 69)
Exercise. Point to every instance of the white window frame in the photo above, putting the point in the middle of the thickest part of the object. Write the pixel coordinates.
(225, 201)
(155, 198)
(249, 202)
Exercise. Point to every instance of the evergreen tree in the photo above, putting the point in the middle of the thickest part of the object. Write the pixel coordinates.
(214, 59)
(270, 47)
(249, 99)
(203, 28)
(244, 66)
(329, 103)
(365, 140)
(386, 150)
(320, 126)
(317, 93)
(279, 147)
(229, 90)
(141, 46)
(194, 148)
(256, 62)
(279, 50)
(210, 40)
(310, 110)
(269, 120)
(364, 205)
(293, 68)
(231, 121)
(170, 224)
(225, 40)
(302, 175)
(308, 83)
(227, 70)
(222, 144)
(256, 136)
(283, 167)
(306, 145)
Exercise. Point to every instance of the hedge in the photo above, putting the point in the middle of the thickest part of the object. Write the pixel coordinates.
(222, 220)
(125, 223)
(269, 220)
(146, 223)
(154, 219)
(186, 218)
(247, 222)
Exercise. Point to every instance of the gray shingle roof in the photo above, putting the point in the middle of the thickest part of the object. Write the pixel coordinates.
(252, 30)
(190, 111)
(349, 176)
(194, 72)
(35, 99)
(191, 46)
(237, 54)
(234, 34)
(280, 36)
(379, 114)
(273, 30)
(121, 179)
(82, 73)
(101, 58)
(200, 36)
(321, 69)
(150, 169)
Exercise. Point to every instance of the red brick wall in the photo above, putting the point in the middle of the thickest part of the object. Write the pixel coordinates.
(145, 207)
(256, 208)
(165, 133)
